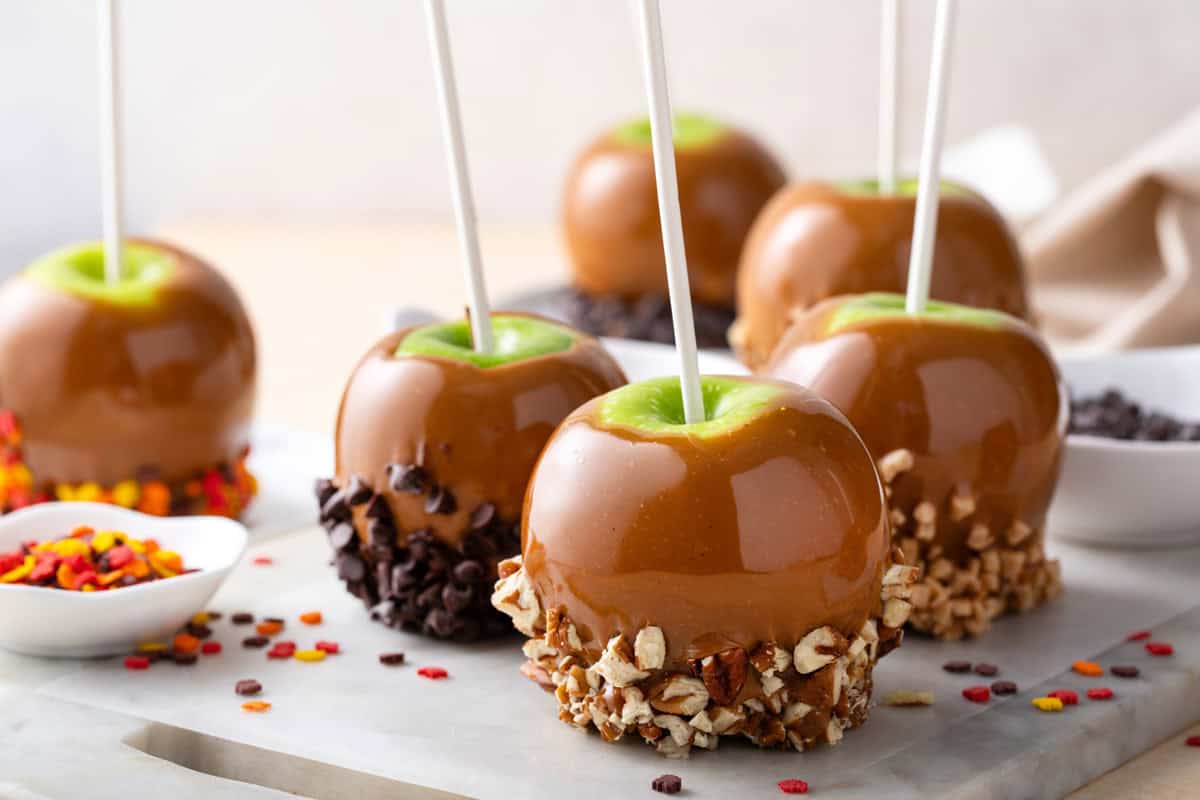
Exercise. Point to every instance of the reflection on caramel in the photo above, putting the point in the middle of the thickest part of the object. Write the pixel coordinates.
(612, 225)
(104, 390)
(982, 409)
(759, 534)
(814, 241)
(478, 432)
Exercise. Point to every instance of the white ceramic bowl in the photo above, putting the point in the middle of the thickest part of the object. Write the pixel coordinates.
(51, 622)
(1132, 494)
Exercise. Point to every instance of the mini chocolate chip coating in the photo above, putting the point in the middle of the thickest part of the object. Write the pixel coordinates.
(1115, 416)
(408, 478)
(646, 318)
(357, 492)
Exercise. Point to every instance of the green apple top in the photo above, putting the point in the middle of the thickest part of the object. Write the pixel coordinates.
(655, 406)
(865, 309)
(906, 187)
(516, 338)
(79, 269)
(690, 130)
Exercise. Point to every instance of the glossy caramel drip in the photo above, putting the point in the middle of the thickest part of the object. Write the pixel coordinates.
(759, 534)
(476, 432)
(813, 241)
(982, 409)
(611, 217)
(103, 391)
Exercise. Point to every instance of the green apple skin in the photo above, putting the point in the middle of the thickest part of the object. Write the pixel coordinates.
(905, 187)
(689, 131)
(655, 406)
(884, 306)
(515, 338)
(79, 269)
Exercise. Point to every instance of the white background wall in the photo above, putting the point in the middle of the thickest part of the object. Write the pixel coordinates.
(324, 109)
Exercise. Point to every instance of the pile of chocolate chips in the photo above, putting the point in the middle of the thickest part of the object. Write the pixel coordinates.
(1114, 416)
(647, 318)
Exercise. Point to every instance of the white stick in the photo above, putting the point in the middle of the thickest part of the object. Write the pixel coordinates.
(663, 145)
(110, 138)
(460, 178)
(889, 72)
(920, 264)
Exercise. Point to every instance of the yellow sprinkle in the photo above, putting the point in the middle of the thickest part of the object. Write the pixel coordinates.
(1047, 704)
(310, 655)
(1089, 668)
(257, 706)
(88, 492)
(126, 494)
(200, 618)
(151, 647)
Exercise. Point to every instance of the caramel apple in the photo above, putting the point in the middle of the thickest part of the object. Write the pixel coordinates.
(435, 445)
(614, 243)
(733, 576)
(817, 240)
(137, 392)
(964, 410)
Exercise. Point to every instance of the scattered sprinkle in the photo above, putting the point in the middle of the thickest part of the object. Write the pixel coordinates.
(311, 656)
(1089, 668)
(391, 659)
(1138, 636)
(282, 650)
(137, 662)
(201, 618)
(248, 687)
(1125, 671)
(242, 618)
(433, 673)
(185, 643)
(185, 659)
(957, 666)
(793, 786)
(332, 648)
(255, 642)
(1159, 649)
(1100, 693)
(152, 647)
(210, 648)
(908, 697)
(257, 706)
(1000, 688)
(269, 627)
(986, 670)
(977, 694)
(311, 618)
(1068, 697)
(1047, 704)
(262, 561)
(1192, 741)
(667, 784)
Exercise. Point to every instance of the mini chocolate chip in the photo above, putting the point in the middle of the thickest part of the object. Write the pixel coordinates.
(667, 784)
(455, 599)
(342, 537)
(336, 507)
(441, 623)
(483, 514)
(1125, 671)
(957, 666)
(378, 508)
(357, 491)
(391, 659)
(214, 616)
(986, 670)
(255, 642)
(440, 501)
(184, 659)
(468, 572)
(351, 568)
(381, 533)
(408, 478)
(199, 631)
(242, 618)
(248, 687)
(1004, 687)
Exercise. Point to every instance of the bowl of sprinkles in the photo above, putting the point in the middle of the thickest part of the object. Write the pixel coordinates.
(82, 580)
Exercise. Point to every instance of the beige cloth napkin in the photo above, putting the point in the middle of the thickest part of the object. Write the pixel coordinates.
(1117, 264)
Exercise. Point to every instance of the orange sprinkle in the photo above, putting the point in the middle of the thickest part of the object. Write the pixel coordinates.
(268, 628)
(1089, 668)
(257, 706)
(311, 618)
(186, 643)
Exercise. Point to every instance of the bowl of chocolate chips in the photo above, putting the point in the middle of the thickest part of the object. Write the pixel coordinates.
(1132, 464)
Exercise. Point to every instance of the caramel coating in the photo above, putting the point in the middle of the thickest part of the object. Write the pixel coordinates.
(814, 241)
(103, 391)
(982, 409)
(477, 432)
(611, 215)
(758, 534)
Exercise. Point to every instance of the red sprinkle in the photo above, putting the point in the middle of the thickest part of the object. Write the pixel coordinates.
(1100, 693)
(263, 561)
(1138, 636)
(1159, 649)
(793, 786)
(332, 648)
(1192, 741)
(282, 650)
(1068, 697)
(977, 694)
(210, 648)
(433, 673)
(137, 662)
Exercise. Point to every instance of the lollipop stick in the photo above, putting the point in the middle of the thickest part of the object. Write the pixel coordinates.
(663, 146)
(110, 139)
(460, 178)
(889, 50)
(920, 264)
